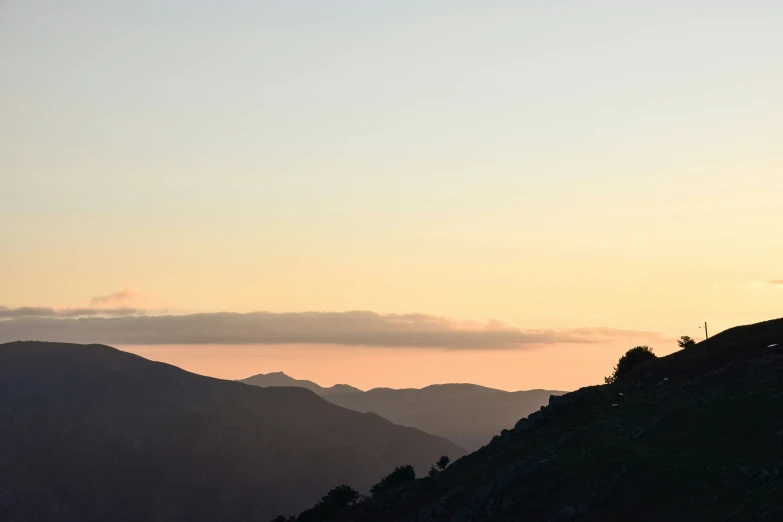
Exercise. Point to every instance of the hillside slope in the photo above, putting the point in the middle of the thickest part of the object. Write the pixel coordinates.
(697, 435)
(467, 414)
(91, 433)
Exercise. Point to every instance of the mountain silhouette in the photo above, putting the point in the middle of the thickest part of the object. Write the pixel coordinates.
(265, 380)
(467, 414)
(91, 433)
(696, 435)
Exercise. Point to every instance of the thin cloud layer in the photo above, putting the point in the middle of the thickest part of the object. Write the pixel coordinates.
(776, 282)
(43, 311)
(346, 328)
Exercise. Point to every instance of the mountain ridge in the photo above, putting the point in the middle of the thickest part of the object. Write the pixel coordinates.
(265, 380)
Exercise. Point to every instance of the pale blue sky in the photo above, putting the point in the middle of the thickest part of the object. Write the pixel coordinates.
(545, 163)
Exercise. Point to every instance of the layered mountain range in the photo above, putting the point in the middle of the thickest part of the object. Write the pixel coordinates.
(467, 414)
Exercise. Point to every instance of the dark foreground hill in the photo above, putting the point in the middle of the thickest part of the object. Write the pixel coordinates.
(90, 433)
(467, 414)
(697, 435)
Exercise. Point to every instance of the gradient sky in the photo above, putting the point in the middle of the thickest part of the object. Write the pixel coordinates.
(546, 164)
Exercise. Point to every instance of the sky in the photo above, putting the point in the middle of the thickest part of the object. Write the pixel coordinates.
(492, 167)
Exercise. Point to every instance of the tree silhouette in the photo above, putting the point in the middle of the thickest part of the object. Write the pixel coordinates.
(685, 342)
(632, 357)
(400, 475)
(439, 466)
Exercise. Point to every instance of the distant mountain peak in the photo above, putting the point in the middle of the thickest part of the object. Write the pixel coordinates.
(341, 389)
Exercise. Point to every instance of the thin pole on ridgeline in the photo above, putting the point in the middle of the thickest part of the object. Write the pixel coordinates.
(706, 335)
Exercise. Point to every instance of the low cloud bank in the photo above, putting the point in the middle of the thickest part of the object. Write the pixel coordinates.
(123, 326)
(43, 311)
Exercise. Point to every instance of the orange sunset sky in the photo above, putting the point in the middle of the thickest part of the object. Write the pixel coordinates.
(510, 194)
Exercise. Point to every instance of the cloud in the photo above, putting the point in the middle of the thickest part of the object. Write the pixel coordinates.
(362, 328)
(121, 299)
(776, 282)
(39, 311)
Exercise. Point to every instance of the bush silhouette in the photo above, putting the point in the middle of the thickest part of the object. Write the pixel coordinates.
(632, 357)
(400, 475)
(443, 462)
(686, 342)
(330, 505)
